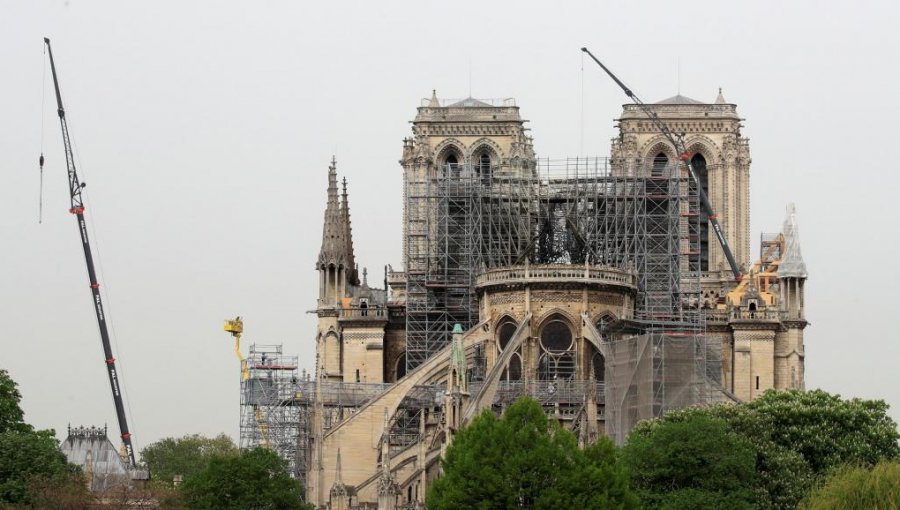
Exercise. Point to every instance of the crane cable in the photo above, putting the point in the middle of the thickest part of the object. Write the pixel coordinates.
(41, 159)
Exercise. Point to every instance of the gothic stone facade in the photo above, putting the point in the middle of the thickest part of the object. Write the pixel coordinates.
(536, 326)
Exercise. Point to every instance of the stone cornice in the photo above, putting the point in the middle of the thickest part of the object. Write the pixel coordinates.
(754, 325)
(795, 323)
(329, 311)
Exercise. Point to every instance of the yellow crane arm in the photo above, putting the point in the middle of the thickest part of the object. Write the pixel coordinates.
(236, 327)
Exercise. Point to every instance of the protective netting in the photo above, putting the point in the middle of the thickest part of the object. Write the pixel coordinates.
(649, 374)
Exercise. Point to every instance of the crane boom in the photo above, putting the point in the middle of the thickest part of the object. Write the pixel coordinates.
(678, 144)
(77, 209)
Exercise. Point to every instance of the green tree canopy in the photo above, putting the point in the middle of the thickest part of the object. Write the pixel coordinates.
(799, 437)
(825, 429)
(524, 460)
(256, 479)
(26, 455)
(185, 455)
(692, 464)
(859, 488)
(11, 415)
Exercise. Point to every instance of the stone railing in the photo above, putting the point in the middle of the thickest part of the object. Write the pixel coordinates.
(757, 315)
(723, 317)
(544, 391)
(555, 273)
(363, 313)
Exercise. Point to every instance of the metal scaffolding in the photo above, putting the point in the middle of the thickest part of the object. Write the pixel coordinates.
(657, 371)
(462, 220)
(269, 417)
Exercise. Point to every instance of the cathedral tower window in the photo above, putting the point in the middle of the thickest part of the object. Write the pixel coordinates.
(698, 163)
(483, 164)
(659, 165)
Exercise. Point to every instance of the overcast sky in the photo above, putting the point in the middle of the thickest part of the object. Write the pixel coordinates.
(204, 131)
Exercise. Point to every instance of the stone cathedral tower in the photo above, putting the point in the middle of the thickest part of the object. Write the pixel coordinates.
(721, 158)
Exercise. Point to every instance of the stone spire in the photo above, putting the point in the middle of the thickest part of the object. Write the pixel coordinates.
(434, 103)
(352, 272)
(720, 99)
(792, 265)
(337, 242)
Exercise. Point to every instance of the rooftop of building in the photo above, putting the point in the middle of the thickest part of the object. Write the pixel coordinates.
(468, 109)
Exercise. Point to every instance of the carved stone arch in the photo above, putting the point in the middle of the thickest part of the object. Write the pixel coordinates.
(448, 146)
(654, 146)
(549, 316)
(706, 147)
(504, 318)
(606, 316)
(557, 336)
(490, 146)
(503, 321)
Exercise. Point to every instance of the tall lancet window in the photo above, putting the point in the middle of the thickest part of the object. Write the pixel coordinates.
(659, 165)
(698, 163)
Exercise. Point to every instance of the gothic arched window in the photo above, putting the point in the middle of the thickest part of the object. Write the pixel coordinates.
(698, 163)
(557, 356)
(659, 165)
(484, 163)
(556, 336)
(505, 334)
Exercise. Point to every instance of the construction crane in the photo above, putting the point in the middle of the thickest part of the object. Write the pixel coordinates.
(678, 143)
(77, 209)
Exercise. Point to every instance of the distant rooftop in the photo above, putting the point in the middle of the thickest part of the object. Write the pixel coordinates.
(679, 99)
(469, 102)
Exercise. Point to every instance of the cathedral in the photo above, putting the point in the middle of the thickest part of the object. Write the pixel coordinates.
(594, 285)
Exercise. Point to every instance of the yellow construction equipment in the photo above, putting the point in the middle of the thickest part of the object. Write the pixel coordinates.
(763, 273)
(236, 327)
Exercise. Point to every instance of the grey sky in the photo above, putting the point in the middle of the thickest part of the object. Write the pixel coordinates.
(204, 130)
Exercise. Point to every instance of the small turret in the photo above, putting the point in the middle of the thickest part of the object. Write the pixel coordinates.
(792, 269)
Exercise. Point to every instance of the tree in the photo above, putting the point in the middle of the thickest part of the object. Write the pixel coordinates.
(859, 488)
(184, 456)
(11, 415)
(524, 460)
(691, 464)
(256, 479)
(28, 458)
(827, 430)
(799, 437)
(598, 480)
